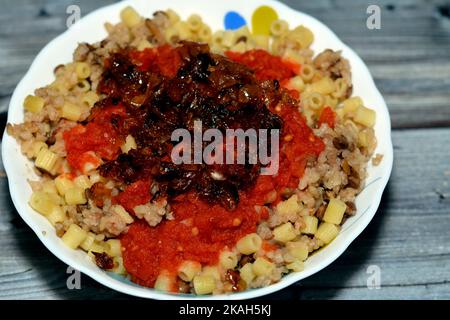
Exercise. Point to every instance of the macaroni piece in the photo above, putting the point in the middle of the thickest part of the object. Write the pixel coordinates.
(71, 111)
(163, 283)
(37, 146)
(212, 271)
(307, 72)
(303, 35)
(352, 104)
(335, 211)
(279, 27)
(42, 203)
(314, 100)
(228, 259)
(119, 268)
(365, 116)
(262, 267)
(75, 196)
(285, 232)
(63, 184)
(204, 284)
(83, 86)
(83, 70)
(90, 98)
(57, 215)
(173, 16)
(88, 241)
(310, 225)
(296, 83)
(327, 232)
(341, 88)
(249, 244)
(46, 159)
(74, 236)
(299, 250)
(114, 247)
(194, 22)
(323, 86)
(289, 206)
(246, 273)
(82, 182)
(296, 266)
(188, 270)
(130, 17)
(33, 104)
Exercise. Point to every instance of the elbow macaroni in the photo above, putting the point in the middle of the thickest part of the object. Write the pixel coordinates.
(311, 224)
(194, 22)
(114, 247)
(71, 111)
(327, 232)
(307, 72)
(204, 284)
(33, 104)
(303, 36)
(75, 196)
(335, 211)
(63, 183)
(323, 86)
(228, 259)
(83, 70)
(74, 236)
(164, 283)
(42, 203)
(130, 17)
(57, 215)
(46, 160)
(279, 27)
(188, 270)
(246, 273)
(262, 267)
(249, 244)
(284, 232)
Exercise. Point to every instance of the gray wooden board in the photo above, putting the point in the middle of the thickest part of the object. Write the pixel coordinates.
(408, 240)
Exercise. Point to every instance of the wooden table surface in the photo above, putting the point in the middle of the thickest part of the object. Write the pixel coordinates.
(408, 241)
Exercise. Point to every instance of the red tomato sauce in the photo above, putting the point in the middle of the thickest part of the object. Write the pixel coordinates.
(164, 60)
(199, 230)
(327, 116)
(98, 139)
(295, 153)
(135, 194)
(265, 65)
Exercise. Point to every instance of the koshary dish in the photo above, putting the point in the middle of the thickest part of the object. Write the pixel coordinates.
(100, 138)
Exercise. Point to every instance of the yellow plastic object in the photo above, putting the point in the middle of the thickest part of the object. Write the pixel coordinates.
(262, 19)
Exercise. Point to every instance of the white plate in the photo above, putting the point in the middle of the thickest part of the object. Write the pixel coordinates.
(90, 29)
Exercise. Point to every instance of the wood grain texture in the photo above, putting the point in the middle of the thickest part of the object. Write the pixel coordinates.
(409, 238)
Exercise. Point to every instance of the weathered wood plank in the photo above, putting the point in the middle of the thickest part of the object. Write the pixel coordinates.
(409, 56)
(408, 240)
